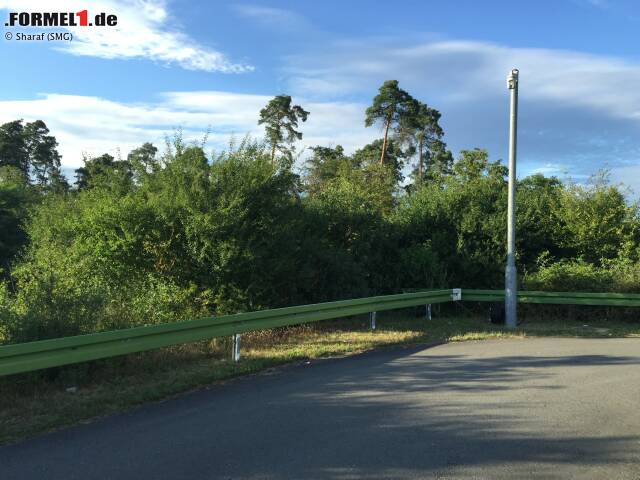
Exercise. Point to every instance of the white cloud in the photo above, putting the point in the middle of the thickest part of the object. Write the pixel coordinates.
(577, 110)
(549, 169)
(94, 125)
(467, 70)
(578, 113)
(143, 31)
(270, 15)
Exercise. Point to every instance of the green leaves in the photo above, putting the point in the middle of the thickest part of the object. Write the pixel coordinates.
(280, 119)
(156, 238)
(391, 108)
(31, 150)
(415, 127)
(598, 221)
(391, 105)
(105, 172)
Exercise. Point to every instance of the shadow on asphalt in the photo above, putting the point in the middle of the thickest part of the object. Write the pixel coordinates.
(399, 413)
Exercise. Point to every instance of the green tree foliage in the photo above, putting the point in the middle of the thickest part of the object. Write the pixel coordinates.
(31, 150)
(13, 147)
(598, 222)
(15, 199)
(575, 275)
(539, 224)
(438, 161)
(367, 157)
(280, 120)
(474, 164)
(330, 169)
(143, 162)
(162, 237)
(477, 188)
(195, 236)
(29, 168)
(325, 164)
(105, 172)
(421, 131)
(44, 159)
(390, 107)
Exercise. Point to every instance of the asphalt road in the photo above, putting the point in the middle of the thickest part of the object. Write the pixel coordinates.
(521, 409)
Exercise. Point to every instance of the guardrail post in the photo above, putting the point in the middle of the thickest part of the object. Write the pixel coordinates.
(236, 348)
(428, 312)
(372, 319)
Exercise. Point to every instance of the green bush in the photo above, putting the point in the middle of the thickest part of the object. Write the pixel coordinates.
(581, 276)
(187, 236)
(194, 239)
(7, 315)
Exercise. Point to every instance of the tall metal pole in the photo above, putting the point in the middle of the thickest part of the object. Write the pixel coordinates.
(511, 275)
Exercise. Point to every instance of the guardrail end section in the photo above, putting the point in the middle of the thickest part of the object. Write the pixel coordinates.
(456, 294)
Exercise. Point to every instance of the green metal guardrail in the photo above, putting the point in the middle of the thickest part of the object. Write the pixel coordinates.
(56, 352)
(557, 298)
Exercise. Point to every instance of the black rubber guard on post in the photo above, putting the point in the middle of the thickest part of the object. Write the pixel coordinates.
(496, 313)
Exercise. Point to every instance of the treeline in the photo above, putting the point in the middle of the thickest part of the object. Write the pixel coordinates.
(156, 237)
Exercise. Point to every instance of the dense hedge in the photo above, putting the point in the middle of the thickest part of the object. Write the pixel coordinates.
(190, 236)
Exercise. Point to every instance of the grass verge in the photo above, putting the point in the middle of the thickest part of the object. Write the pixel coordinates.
(40, 402)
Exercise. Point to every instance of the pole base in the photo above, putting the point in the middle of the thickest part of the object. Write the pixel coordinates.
(511, 297)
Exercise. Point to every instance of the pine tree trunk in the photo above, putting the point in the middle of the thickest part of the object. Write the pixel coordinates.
(384, 141)
(420, 175)
(273, 155)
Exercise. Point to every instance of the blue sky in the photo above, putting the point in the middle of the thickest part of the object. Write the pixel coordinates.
(202, 65)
